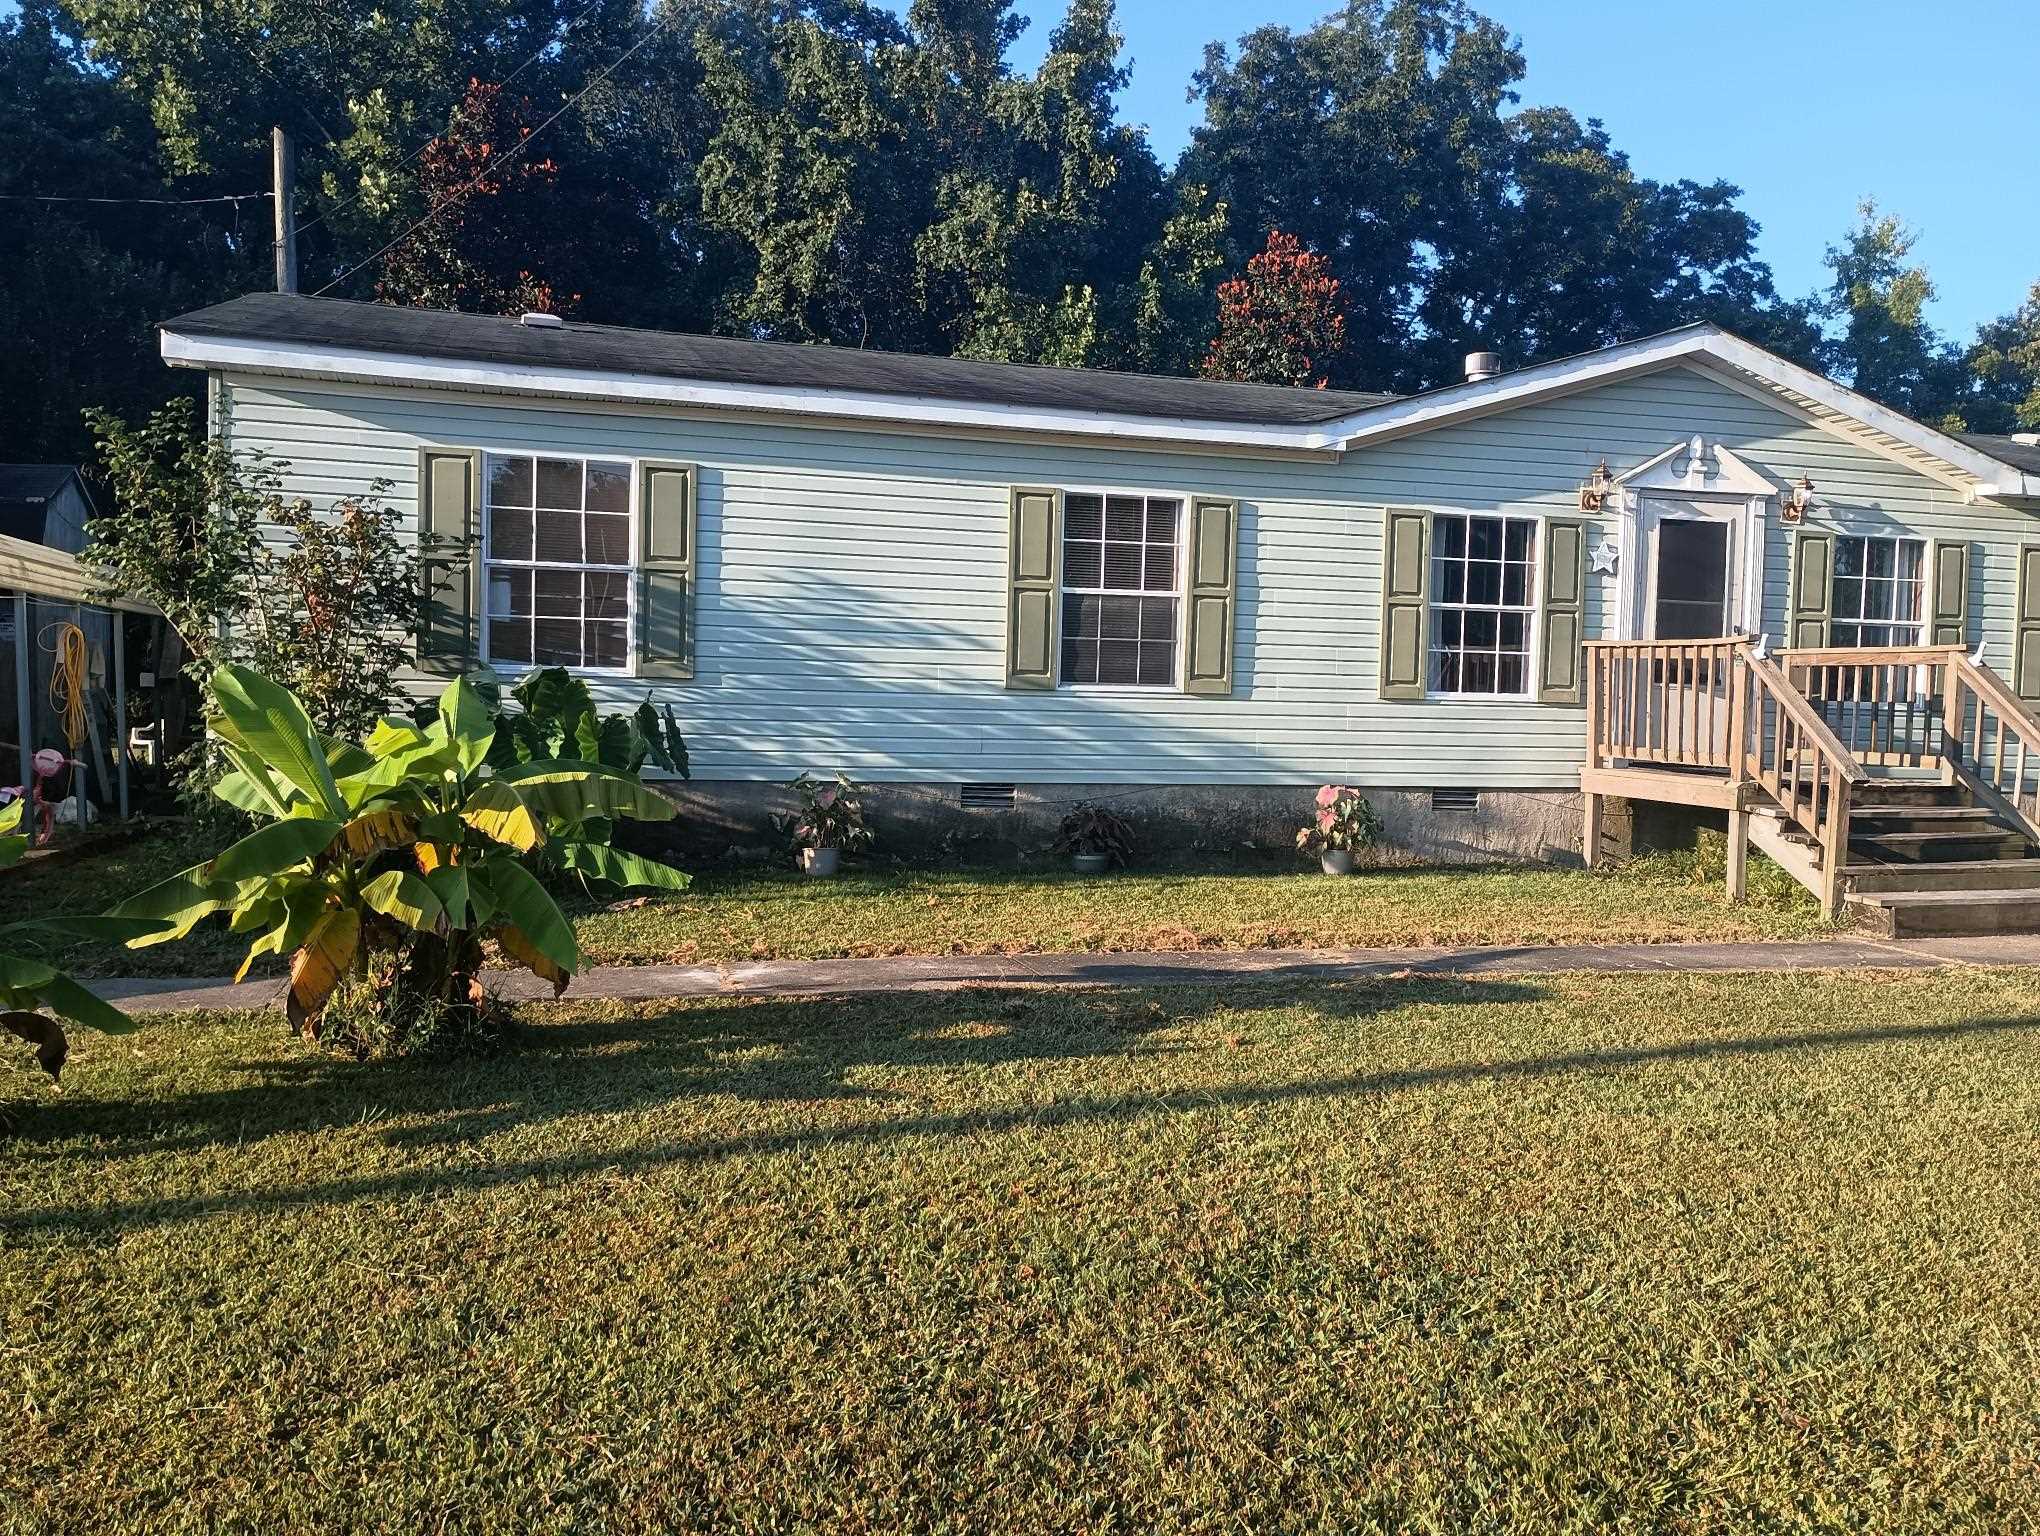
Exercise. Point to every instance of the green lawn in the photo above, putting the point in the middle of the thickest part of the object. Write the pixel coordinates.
(1664, 1253)
(746, 913)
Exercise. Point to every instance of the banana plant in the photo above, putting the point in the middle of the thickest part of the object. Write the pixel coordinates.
(28, 986)
(556, 719)
(397, 856)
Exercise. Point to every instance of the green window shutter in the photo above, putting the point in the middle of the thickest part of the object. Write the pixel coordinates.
(2026, 625)
(449, 559)
(1214, 587)
(1561, 675)
(1033, 571)
(1405, 603)
(1948, 596)
(668, 569)
(1812, 594)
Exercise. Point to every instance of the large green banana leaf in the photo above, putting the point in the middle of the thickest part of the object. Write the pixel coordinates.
(256, 716)
(572, 792)
(525, 904)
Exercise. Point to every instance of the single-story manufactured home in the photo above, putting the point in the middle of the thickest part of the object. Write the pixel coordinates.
(984, 586)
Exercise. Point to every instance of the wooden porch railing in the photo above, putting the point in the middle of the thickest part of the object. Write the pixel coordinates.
(1792, 755)
(1710, 722)
(1728, 724)
(1931, 707)
(1669, 702)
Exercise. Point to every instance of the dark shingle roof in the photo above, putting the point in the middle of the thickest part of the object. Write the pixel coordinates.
(33, 482)
(2006, 450)
(294, 319)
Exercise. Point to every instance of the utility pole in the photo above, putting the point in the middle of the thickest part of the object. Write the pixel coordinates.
(282, 176)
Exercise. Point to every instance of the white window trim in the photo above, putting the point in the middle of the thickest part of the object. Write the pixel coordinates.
(1180, 592)
(1918, 626)
(633, 571)
(1533, 658)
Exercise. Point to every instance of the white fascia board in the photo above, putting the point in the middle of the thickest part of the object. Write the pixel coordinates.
(1484, 397)
(395, 368)
(1527, 386)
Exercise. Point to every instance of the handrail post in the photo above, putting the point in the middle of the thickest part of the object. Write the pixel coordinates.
(1834, 842)
(1737, 735)
(1952, 711)
(1590, 826)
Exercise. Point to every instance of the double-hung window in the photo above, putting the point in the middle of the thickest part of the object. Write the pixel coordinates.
(1879, 591)
(1483, 601)
(1121, 589)
(558, 545)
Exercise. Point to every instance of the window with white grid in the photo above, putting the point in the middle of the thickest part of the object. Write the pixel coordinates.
(1483, 596)
(1120, 589)
(1879, 591)
(558, 544)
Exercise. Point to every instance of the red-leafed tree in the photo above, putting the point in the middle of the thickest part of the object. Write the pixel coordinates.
(1282, 322)
(476, 251)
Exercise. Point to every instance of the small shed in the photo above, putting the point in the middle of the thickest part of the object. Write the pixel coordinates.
(64, 681)
(45, 504)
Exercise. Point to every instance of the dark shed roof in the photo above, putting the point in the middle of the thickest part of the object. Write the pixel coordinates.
(2006, 450)
(297, 320)
(33, 482)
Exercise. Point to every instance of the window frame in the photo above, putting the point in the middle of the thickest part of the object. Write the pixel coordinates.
(1179, 592)
(632, 572)
(1921, 626)
(1532, 611)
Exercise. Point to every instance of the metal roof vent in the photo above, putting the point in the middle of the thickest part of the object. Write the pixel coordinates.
(539, 321)
(1482, 365)
(2030, 439)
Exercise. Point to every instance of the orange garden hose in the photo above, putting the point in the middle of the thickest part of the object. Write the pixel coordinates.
(68, 681)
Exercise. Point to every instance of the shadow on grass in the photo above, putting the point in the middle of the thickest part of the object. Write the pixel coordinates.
(798, 1050)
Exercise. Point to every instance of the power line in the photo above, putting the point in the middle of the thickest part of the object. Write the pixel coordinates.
(547, 46)
(508, 155)
(160, 202)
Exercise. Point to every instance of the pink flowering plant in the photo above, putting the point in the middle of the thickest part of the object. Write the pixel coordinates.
(831, 814)
(1342, 822)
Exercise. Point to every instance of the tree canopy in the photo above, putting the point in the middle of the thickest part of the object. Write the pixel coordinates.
(835, 171)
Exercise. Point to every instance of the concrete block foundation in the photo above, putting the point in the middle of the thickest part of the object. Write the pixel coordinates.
(726, 819)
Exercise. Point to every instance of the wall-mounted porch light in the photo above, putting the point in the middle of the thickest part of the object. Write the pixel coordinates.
(1792, 508)
(1594, 494)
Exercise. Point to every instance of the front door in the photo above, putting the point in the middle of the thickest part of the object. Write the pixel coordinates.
(1690, 596)
(1691, 592)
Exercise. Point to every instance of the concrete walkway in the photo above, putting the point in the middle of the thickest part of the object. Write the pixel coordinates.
(916, 973)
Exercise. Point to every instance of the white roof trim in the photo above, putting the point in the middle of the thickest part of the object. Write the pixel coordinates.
(1423, 413)
(1980, 474)
(403, 368)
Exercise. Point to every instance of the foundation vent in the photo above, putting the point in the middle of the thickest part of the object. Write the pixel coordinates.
(987, 797)
(1460, 800)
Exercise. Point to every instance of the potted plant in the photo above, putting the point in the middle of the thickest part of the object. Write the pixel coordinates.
(1095, 839)
(829, 823)
(1343, 824)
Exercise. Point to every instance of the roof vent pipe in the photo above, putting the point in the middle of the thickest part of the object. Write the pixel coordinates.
(540, 322)
(1482, 365)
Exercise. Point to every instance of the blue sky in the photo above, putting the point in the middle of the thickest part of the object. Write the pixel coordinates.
(1808, 105)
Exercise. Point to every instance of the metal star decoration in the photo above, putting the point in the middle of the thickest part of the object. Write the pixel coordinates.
(1604, 556)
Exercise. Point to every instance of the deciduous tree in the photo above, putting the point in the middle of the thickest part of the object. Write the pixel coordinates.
(1283, 322)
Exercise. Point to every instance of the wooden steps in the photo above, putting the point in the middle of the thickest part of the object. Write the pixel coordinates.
(1926, 859)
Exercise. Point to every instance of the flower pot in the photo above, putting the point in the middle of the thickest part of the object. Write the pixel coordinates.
(1090, 863)
(1336, 861)
(820, 863)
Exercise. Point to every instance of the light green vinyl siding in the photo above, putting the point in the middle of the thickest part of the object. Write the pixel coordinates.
(852, 589)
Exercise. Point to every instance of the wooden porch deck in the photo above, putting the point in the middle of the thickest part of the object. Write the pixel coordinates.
(1791, 743)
